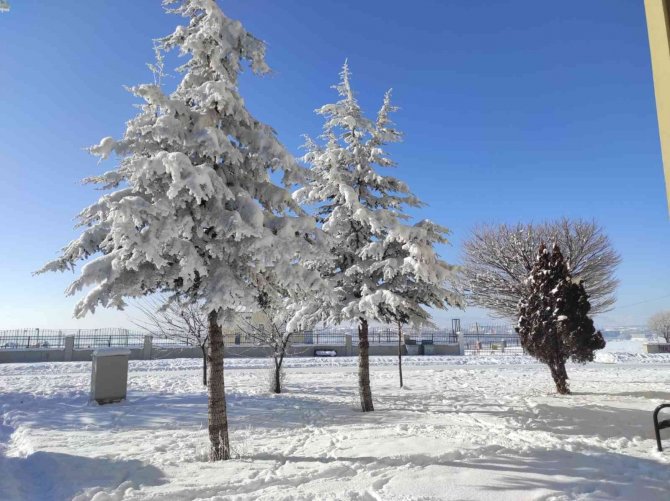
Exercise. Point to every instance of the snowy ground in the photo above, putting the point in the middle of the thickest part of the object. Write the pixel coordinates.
(465, 428)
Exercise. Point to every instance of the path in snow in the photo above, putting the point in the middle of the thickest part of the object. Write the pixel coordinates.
(462, 430)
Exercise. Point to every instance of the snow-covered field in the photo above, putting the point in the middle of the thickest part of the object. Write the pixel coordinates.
(464, 428)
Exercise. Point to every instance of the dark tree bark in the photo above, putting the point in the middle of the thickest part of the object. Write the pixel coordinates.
(279, 360)
(276, 388)
(400, 352)
(364, 367)
(560, 377)
(218, 420)
(204, 364)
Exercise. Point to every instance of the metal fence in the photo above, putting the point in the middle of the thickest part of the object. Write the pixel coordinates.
(434, 336)
(98, 338)
(477, 338)
(55, 338)
(489, 330)
(31, 338)
(478, 344)
(329, 337)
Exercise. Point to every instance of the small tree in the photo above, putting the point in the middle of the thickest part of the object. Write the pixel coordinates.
(553, 318)
(276, 310)
(660, 324)
(418, 277)
(194, 211)
(177, 319)
(362, 212)
(498, 259)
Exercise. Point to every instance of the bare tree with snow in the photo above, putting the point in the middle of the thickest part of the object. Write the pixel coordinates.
(276, 308)
(193, 211)
(660, 324)
(175, 318)
(498, 259)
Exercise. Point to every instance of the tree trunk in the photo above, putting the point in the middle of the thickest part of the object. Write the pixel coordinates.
(364, 367)
(218, 420)
(276, 386)
(204, 365)
(560, 376)
(400, 352)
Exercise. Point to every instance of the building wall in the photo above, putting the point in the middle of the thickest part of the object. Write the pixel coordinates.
(658, 28)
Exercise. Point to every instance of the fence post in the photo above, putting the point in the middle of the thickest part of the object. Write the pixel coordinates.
(348, 345)
(68, 343)
(146, 349)
(461, 343)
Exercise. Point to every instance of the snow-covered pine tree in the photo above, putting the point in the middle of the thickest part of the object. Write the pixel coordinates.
(377, 256)
(553, 319)
(193, 211)
(417, 277)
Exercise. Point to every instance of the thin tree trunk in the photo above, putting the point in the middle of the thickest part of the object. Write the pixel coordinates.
(400, 352)
(364, 367)
(218, 420)
(277, 378)
(560, 377)
(204, 364)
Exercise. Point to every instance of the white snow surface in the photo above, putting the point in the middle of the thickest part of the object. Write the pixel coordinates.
(473, 427)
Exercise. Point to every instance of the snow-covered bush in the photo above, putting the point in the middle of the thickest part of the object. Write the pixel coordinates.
(553, 318)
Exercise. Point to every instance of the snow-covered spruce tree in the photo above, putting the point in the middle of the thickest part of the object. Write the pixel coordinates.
(193, 210)
(375, 254)
(417, 278)
(553, 319)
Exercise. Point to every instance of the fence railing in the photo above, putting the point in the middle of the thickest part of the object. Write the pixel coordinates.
(55, 338)
(491, 343)
(482, 336)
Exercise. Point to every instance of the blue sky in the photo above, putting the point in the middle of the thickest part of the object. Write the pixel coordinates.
(512, 111)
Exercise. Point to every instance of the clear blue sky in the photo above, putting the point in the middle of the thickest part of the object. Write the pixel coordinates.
(512, 111)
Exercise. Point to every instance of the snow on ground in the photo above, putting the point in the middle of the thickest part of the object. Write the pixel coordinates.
(487, 427)
(624, 346)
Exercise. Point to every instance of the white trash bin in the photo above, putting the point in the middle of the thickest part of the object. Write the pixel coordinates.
(109, 376)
